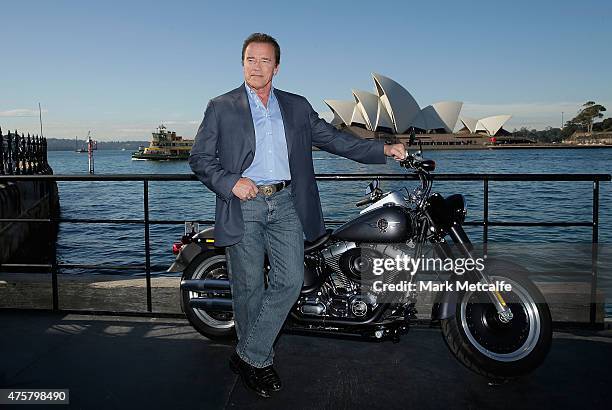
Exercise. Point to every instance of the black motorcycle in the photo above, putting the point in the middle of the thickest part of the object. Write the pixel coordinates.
(500, 334)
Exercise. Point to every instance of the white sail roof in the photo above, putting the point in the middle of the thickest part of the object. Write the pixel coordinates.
(342, 109)
(357, 118)
(382, 118)
(393, 107)
(429, 119)
(469, 123)
(493, 124)
(402, 107)
(368, 105)
(448, 112)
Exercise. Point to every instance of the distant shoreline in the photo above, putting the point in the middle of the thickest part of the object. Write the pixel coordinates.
(472, 147)
(479, 147)
(510, 146)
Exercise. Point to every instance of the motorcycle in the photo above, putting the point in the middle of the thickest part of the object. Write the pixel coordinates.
(499, 334)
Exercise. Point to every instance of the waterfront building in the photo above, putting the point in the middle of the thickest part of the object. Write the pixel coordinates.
(393, 111)
(590, 138)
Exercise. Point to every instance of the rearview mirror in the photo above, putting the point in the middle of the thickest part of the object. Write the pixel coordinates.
(372, 186)
(192, 228)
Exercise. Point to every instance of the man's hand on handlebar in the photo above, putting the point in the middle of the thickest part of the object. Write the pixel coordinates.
(397, 151)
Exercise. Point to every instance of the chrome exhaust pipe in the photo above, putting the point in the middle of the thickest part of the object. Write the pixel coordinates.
(205, 285)
(212, 304)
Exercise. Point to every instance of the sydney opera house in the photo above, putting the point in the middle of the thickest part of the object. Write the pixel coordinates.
(392, 110)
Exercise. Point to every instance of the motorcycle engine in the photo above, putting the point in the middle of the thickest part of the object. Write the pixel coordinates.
(348, 268)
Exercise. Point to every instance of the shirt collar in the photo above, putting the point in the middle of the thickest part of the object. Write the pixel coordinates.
(254, 95)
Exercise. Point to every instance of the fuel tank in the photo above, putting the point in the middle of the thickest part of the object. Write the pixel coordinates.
(390, 223)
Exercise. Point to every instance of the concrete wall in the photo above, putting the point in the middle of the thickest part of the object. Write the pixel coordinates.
(568, 301)
(25, 199)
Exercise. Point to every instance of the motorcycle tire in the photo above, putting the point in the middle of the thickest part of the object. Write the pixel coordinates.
(486, 345)
(213, 325)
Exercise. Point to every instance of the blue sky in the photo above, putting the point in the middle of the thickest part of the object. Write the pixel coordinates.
(120, 68)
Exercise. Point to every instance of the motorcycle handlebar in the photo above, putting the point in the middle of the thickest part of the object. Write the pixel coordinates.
(409, 161)
(364, 202)
(417, 164)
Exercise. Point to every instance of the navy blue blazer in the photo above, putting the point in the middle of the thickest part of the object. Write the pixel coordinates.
(225, 146)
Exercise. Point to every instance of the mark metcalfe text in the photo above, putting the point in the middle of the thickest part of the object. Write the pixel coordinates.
(429, 286)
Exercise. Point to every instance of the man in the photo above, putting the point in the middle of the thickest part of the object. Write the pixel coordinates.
(254, 150)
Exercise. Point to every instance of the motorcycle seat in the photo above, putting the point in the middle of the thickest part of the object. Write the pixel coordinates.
(310, 246)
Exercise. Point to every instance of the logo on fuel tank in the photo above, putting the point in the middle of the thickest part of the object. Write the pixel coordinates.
(382, 224)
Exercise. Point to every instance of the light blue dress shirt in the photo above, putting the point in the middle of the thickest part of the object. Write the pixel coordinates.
(271, 162)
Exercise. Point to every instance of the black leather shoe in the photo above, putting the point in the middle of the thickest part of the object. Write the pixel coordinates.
(268, 373)
(252, 377)
(271, 377)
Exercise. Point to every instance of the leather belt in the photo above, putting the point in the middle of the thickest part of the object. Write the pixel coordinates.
(270, 189)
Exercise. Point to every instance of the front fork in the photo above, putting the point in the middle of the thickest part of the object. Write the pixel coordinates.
(464, 245)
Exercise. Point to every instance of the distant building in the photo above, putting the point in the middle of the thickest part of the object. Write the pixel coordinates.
(599, 138)
(393, 110)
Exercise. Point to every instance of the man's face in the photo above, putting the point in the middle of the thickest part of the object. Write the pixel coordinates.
(259, 65)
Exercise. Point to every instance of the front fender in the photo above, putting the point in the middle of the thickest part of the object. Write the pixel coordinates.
(445, 303)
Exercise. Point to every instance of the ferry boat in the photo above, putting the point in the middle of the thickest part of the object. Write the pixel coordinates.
(165, 145)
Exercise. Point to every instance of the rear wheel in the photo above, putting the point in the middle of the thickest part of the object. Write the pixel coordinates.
(492, 347)
(213, 325)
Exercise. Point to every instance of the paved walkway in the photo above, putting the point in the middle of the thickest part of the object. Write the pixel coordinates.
(118, 362)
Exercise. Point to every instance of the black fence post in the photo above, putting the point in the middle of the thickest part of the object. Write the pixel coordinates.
(24, 155)
(35, 153)
(14, 157)
(38, 165)
(24, 152)
(52, 235)
(44, 153)
(147, 245)
(16, 153)
(29, 161)
(594, 252)
(1, 153)
(9, 154)
(39, 154)
(485, 215)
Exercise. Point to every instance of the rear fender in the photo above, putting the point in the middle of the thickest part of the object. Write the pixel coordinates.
(202, 242)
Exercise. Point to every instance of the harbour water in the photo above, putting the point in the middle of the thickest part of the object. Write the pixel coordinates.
(509, 201)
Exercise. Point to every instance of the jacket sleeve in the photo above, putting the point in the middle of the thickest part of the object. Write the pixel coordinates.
(330, 139)
(204, 161)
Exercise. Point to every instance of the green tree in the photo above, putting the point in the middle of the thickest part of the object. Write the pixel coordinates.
(605, 125)
(590, 110)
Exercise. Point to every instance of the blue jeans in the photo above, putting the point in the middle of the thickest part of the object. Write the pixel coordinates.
(272, 227)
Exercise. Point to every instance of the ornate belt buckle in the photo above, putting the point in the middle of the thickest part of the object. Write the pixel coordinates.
(267, 190)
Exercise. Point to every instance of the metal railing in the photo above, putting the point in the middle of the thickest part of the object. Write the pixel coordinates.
(21, 155)
(485, 223)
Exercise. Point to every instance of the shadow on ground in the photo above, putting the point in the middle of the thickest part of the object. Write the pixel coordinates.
(114, 362)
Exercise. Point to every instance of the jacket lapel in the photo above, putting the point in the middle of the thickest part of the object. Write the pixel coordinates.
(285, 108)
(244, 116)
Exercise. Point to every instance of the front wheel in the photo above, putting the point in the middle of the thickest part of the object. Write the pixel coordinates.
(491, 347)
(213, 325)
